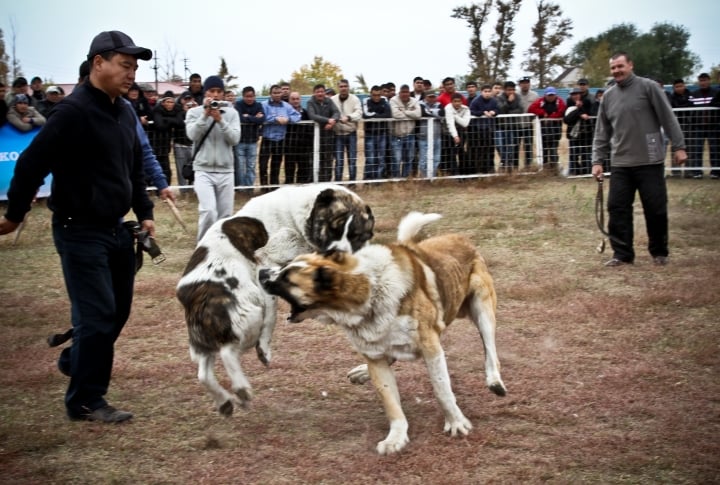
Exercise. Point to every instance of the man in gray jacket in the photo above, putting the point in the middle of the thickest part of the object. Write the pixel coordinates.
(630, 117)
(214, 129)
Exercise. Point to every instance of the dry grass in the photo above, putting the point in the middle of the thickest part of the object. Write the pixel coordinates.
(612, 373)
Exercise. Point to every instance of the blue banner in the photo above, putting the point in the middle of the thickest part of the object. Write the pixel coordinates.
(12, 143)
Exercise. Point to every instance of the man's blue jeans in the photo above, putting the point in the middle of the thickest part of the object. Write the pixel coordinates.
(342, 143)
(403, 151)
(423, 155)
(245, 158)
(98, 264)
(375, 148)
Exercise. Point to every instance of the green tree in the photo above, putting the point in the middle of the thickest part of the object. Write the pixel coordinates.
(502, 46)
(549, 32)
(362, 84)
(618, 37)
(596, 68)
(224, 74)
(661, 53)
(475, 15)
(319, 71)
(4, 61)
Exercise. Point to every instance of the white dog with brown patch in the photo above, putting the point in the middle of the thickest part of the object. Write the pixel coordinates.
(226, 310)
(394, 302)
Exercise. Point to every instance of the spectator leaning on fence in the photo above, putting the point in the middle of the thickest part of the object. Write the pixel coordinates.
(484, 110)
(278, 114)
(299, 145)
(525, 132)
(346, 130)
(405, 111)
(375, 108)
(252, 117)
(628, 129)
(23, 116)
(326, 114)
(705, 126)
(550, 109)
(457, 119)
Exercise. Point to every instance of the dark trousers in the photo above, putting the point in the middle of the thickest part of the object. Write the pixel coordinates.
(649, 182)
(99, 269)
(274, 149)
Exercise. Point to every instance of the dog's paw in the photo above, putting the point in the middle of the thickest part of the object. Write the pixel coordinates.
(392, 444)
(226, 408)
(457, 426)
(245, 395)
(264, 353)
(359, 374)
(498, 388)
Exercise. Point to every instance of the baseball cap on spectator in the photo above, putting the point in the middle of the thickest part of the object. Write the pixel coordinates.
(186, 95)
(19, 82)
(524, 79)
(167, 95)
(583, 81)
(53, 89)
(213, 82)
(704, 75)
(430, 94)
(114, 40)
(22, 98)
(575, 91)
(550, 90)
(330, 92)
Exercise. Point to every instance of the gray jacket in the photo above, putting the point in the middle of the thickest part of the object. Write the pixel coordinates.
(629, 121)
(216, 152)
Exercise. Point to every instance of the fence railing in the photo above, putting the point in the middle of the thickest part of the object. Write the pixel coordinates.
(387, 149)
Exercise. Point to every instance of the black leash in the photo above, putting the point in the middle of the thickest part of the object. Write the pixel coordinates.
(600, 219)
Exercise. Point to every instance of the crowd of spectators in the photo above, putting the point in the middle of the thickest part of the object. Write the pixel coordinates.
(410, 130)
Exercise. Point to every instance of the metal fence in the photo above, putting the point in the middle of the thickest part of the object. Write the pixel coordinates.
(389, 149)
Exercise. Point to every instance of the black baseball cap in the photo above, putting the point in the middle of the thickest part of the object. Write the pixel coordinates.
(117, 41)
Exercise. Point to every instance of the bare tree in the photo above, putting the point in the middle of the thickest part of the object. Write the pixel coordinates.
(549, 32)
(476, 15)
(167, 68)
(502, 46)
(4, 61)
(224, 74)
(15, 63)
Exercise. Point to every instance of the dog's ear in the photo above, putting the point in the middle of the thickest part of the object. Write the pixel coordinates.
(325, 197)
(323, 279)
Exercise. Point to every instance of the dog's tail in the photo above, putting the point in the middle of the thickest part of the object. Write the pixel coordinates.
(411, 225)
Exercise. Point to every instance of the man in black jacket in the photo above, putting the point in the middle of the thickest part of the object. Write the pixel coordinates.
(91, 147)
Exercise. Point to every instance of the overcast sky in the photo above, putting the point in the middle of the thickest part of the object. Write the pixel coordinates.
(389, 40)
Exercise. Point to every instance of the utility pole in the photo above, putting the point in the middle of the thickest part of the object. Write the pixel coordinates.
(186, 70)
(155, 68)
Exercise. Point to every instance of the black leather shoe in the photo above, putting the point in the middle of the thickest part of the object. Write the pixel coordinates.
(105, 414)
(616, 262)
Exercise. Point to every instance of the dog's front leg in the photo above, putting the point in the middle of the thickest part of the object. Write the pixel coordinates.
(455, 421)
(262, 347)
(384, 381)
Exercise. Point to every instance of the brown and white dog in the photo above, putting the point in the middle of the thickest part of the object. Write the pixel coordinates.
(393, 302)
(226, 310)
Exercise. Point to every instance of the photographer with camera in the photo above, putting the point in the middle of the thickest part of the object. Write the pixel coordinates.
(214, 128)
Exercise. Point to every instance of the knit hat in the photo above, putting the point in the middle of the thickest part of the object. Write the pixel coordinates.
(550, 90)
(22, 98)
(213, 82)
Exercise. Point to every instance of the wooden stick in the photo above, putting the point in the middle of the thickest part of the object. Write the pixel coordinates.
(19, 229)
(176, 213)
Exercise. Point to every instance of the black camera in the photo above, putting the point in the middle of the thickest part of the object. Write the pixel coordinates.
(214, 104)
(145, 243)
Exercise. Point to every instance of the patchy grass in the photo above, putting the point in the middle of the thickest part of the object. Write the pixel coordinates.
(612, 373)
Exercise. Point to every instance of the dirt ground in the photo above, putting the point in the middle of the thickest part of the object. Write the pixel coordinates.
(613, 374)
